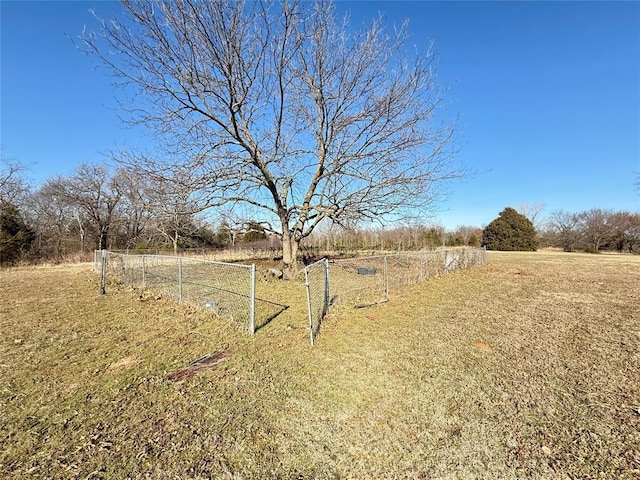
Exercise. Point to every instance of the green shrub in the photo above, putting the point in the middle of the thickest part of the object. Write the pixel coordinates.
(15, 236)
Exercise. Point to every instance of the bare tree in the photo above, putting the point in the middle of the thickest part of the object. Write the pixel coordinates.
(597, 227)
(532, 211)
(53, 216)
(13, 185)
(226, 234)
(286, 108)
(134, 209)
(172, 208)
(567, 229)
(95, 192)
(625, 231)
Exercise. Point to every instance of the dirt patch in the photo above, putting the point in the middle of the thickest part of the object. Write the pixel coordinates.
(484, 346)
(124, 363)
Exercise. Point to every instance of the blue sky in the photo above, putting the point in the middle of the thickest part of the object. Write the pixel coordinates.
(548, 95)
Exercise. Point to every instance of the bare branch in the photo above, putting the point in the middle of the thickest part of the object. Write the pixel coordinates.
(13, 185)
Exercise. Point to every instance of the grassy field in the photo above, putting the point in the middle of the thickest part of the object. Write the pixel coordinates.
(526, 368)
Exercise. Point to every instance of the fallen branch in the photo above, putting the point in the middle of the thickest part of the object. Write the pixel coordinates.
(209, 360)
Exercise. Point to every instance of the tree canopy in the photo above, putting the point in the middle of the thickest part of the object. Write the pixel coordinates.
(285, 108)
(510, 231)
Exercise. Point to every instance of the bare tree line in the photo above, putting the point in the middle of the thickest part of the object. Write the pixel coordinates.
(99, 206)
(593, 230)
(116, 208)
(415, 236)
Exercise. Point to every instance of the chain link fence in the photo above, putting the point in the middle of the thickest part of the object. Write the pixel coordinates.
(228, 289)
(362, 281)
(366, 281)
(225, 289)
(316, 278)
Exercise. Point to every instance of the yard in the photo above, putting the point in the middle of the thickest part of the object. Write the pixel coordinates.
(526, 368)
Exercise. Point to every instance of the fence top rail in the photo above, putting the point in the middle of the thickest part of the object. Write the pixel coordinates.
(184, 259)
(407, 254)
(352, 259)
(322, 260)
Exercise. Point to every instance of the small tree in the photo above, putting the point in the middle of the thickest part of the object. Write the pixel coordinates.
(473, 241)
(134, 208)
(226, 234)
(173, 209)
(463, 235)
(510, 231)
(454, 240)
(53, 217)
(434, 236)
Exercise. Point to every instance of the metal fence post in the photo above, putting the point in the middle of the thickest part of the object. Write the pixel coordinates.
(144, 272)
(179, 280)
(385, 284)
(252, 300)
(309, 309)
(103, 273)
(325, 308)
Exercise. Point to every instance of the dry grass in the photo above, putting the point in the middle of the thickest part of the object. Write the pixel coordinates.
(526, 368)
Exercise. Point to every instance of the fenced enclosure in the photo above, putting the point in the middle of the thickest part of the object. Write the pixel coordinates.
(226, 289)
(365, 281)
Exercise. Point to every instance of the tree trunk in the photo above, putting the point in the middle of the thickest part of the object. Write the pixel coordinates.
(174, 240)
(289, 254)
(58, 253)
(82, 234)
(104, 233)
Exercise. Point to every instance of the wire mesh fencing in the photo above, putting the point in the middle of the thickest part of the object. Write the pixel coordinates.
(360, 280)
(366, 281)
(316, 278)
(226, 289)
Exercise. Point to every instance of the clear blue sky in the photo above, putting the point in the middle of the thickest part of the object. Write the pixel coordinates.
(548, 95)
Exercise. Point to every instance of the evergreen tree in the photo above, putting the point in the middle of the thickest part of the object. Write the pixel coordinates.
(15, 236)
(510, 231)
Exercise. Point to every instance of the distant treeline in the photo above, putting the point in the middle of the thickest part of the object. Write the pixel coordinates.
(592, 231)
(98, 207)
(101, 208)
